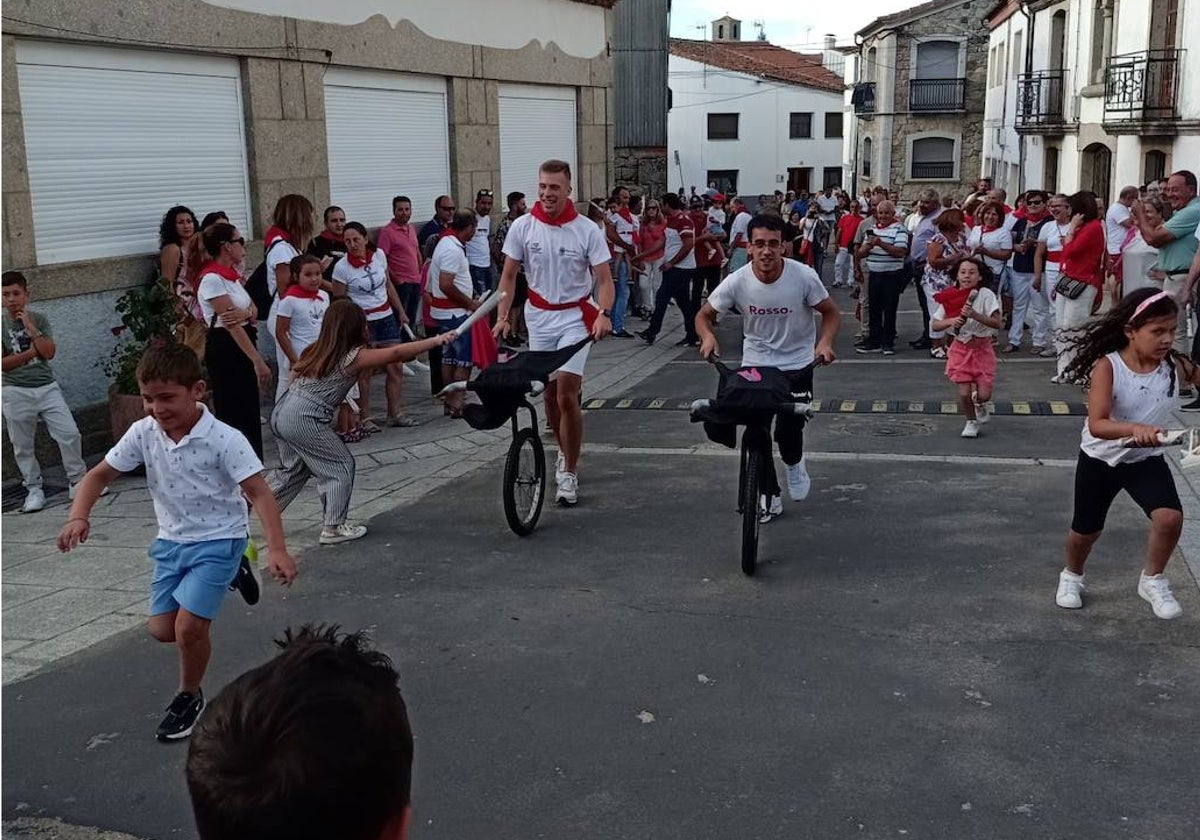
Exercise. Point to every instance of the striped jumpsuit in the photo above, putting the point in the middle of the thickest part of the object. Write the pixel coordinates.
(308, 445)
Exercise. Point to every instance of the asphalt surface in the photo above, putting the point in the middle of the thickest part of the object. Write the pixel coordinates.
(896, 669)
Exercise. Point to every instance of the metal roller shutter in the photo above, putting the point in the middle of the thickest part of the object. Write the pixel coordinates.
(536, 123)
(115, 137)
(388, 135)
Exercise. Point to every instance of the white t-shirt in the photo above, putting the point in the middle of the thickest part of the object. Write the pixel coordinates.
(827, 204)
(741, 225)
(625, 228)
(366, 285)
(999, 239)
(985, 302)
(1051, 234)
(281, 254)
(679, 232)
(449, 257)
(306, 315)
(777, 318)
(212, 286)
(479, 254)
(716, 217)
(558, 259)
(1114, 231)
(194, 483)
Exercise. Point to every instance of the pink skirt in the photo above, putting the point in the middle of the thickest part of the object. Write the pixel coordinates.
(971, 361)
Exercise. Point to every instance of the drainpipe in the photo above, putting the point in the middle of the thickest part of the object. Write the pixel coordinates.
(1022, 182)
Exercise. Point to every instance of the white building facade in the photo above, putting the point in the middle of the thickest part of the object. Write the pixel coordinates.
(750, 134)
(1107, 94)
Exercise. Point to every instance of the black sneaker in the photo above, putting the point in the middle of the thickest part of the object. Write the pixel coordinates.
(921, 343)
(867, 349)
(246, 581)
(622, 334)
(1194, 405)
(889, 351)
(181, 717)
(645, 336)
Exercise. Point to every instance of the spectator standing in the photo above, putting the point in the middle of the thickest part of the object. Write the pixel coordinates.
(991, 240)
(738, 236)
(654, 240)
(679, 264)
(884, 249)
(1046, 262)
(947, 247)
(1118, 224)
(1083, 261)
(451, 292)
(329, 246)
(1139, 261)
(175, 236)
(928, 210)
(627, 229)
(31, 392)
(299, 315)
(363, 277)
(843, 262)
(862, 286)
(517, 207)
(827, 205)
(398, 242)
(479, 253)
(291, 228)
(708, 257)
(443, 212)
(1025, 234)
(231, 357)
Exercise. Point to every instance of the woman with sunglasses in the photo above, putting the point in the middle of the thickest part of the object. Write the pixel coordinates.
(654, 240)
(235, 368)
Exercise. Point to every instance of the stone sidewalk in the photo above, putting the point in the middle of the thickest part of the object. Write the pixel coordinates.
(56, 604)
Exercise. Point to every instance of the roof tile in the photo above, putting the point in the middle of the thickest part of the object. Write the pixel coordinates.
(760, 58)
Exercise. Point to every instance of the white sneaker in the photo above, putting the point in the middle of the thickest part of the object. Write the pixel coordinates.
(35, 500)
(983, 413)
(1157, 590)
(1070, 590)
(74, 488)
(769, 510)
(798, 482)
(417, 364)
(568, 489)
(560, 468)
(971, 429)
(342, 533)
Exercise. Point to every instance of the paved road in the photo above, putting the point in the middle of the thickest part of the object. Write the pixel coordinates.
(897, 669)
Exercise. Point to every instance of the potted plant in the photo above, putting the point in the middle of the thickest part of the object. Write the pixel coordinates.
(148, 318)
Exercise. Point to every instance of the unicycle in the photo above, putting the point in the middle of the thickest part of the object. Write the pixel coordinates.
(753, 465)
(524, 487)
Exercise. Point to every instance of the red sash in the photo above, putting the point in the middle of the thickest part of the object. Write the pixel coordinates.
(443, 303)
(1054, 256)
(383, 307)
(588, 309)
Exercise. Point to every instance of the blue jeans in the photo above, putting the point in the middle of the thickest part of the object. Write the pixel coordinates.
(481, 278)
(621, 298)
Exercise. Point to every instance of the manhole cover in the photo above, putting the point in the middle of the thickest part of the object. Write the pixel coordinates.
(857, 427)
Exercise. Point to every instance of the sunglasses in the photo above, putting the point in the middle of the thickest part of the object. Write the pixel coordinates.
(451, 208)
(484, 194)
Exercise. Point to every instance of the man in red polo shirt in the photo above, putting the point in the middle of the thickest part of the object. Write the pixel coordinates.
(565, 257)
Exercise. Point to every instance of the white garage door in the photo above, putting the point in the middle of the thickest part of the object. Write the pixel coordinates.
(536, 123)
(388, 135)
(115, 137)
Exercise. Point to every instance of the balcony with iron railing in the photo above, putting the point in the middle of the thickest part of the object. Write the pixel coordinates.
(863, 98)
(936, 96)
(1141, 92)
(933, 170)
(1041, 102)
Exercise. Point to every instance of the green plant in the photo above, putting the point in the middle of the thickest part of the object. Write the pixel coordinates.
(148, 319)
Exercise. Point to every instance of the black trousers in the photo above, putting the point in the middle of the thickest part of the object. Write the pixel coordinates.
(918, 274)
(234, 385)
(676, 284)
(883, 301)
(704, 280)
(789, 430)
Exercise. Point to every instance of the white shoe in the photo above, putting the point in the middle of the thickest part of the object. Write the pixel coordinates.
(568, 490)
(798, 482)
(342, 533)
(971, 429)
(983, 413)
(769, 510)
(560, 468)
(74, 488)
(1070, 590)
(417, 364)
(1157, 591)
(35, 500)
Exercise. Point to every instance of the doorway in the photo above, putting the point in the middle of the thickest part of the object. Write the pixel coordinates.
(1096, 171)
(799, 179)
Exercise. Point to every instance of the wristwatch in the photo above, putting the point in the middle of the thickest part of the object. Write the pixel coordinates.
(607, 313)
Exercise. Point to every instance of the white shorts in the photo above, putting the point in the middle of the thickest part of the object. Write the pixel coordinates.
(550, 329)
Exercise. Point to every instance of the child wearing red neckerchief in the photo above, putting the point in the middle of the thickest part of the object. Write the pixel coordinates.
(972, 311)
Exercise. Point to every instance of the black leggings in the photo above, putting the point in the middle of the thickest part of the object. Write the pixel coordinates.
(234, 385)
(789, 430)
(1148, 482)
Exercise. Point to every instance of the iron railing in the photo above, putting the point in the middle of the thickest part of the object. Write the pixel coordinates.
(941, 170)
(863, 98)
(1142, 86)
(934, 96)
(1040, 98)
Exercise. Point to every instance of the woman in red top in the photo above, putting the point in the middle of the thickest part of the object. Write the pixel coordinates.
(847, 226)
(654, 240)
(1083, 262)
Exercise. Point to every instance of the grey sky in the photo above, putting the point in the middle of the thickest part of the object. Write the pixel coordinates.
(788, 23)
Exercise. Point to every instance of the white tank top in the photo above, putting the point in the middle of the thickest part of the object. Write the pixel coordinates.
(1137, 398)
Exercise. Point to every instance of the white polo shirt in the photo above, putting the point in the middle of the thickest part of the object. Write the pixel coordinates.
(741, 224)
(1114, 230)
(558, 259)
(478, 252)
(449, 257)
(194, 483)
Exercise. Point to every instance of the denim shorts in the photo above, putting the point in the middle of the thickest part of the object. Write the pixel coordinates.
(195, 576)
(384, 330)
(458, 352)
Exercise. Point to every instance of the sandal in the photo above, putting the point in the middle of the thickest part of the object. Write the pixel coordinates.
(355, 435)
(369, 426)
(402, 421)
(937, 353)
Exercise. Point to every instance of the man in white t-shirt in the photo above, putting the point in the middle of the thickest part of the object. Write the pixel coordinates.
(479, 253)
(738, 255)
(451, 298)
(1118, 219)
(777, 298)
(565, 257)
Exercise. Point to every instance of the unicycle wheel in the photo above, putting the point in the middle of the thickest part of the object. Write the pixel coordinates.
(524, 482)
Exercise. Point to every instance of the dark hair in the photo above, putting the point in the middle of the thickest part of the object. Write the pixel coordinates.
(1042, 194)
(171, 362)
(299, 262)
(982, 209)
(987, 277)
(1106, 334)
(1084, 203)
(314, 744)
(14, 278)
(332, 207)
(217, 235)
(358, 226)
(950, 218)
(166, 230)
(555, 166)
(1189, 178)
(765, 221)
(673, 201)
(400, 198)
(512, 198)
(463, 219)
(211, 219)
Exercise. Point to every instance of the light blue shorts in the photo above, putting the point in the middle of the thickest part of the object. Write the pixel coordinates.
(195, 576)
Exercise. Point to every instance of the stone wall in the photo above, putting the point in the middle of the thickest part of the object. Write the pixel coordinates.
(642, 168)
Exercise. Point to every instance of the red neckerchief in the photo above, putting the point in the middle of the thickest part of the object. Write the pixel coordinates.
(952, 300)
(568, 214)
(359, 263)
(988, 229)
(297, 291)
(624, 213)
(226, 271)
(1037, 220)
(449, 231)
(329, 237)
(275, 232)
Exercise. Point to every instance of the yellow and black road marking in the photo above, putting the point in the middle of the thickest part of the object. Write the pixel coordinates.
(1015, 408)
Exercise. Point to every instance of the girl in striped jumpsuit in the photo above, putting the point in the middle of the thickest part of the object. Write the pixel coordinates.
(321, 378)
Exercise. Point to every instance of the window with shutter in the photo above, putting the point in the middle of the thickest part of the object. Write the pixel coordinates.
(537, 123)
(722, 126)
(800, 125)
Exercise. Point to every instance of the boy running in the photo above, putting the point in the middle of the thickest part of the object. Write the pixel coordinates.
(197, 470)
